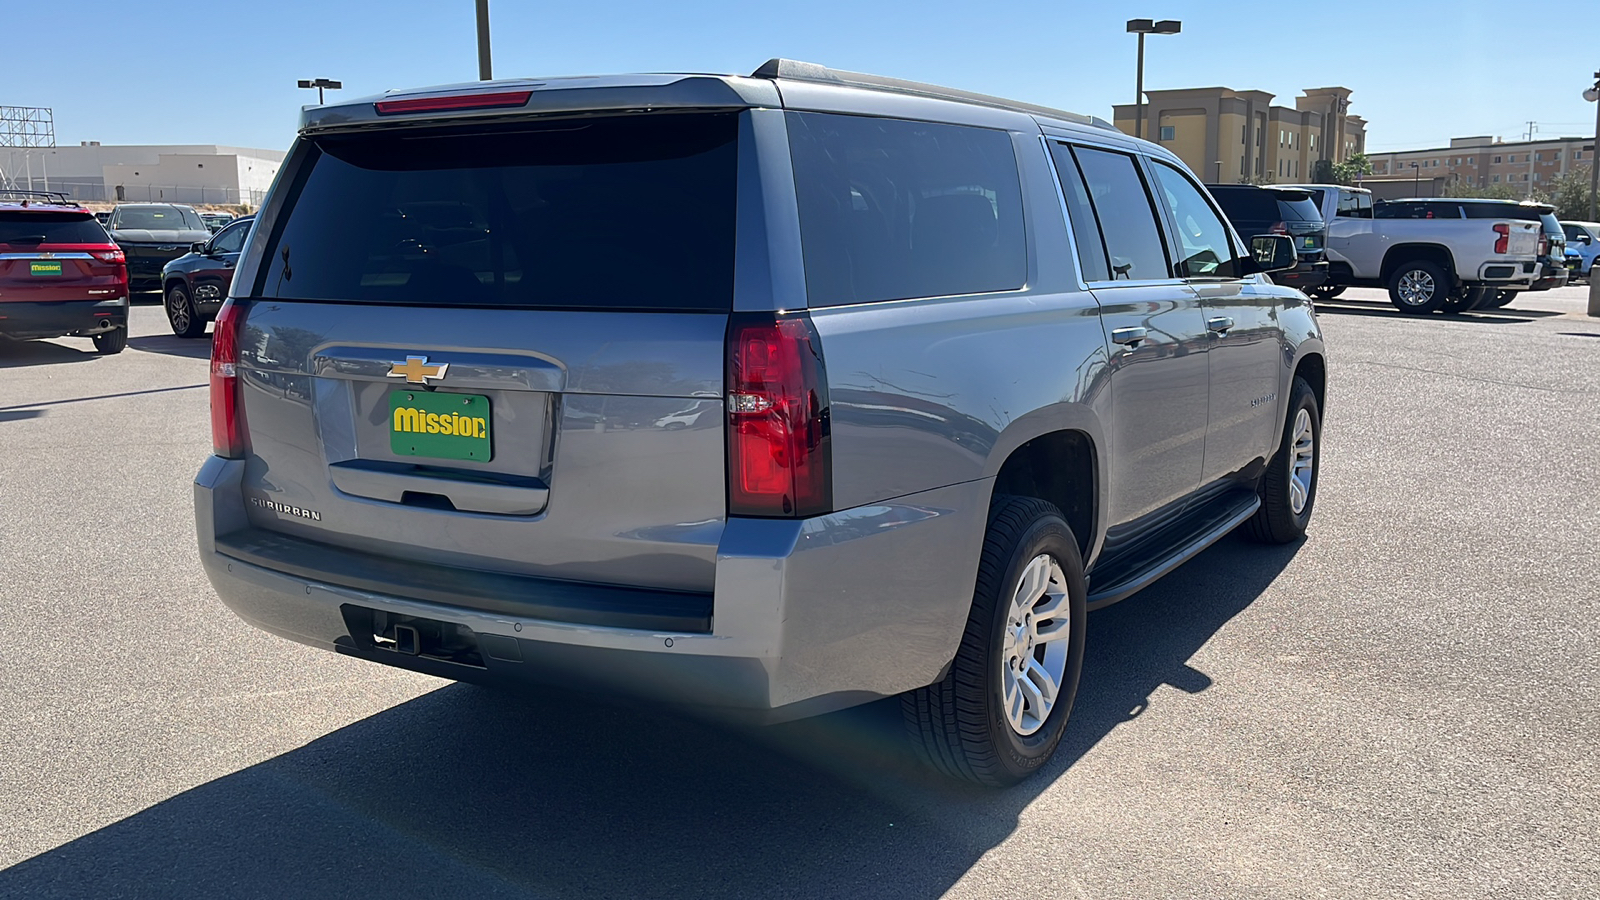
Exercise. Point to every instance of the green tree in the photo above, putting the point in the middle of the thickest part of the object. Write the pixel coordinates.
(1327, 171)
(1348, 171)
(1569, 193)
(1483, 192)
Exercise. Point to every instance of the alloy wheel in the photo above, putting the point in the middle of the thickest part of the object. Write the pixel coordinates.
(1302, 462)
(1033, 656)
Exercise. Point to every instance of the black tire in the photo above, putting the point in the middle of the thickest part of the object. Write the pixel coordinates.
(181, 315)
(107, 343)
(1466, 299)
(1430, 287)
(959, 725)
(1498, 299)
(1327, 291)
(1276, 522)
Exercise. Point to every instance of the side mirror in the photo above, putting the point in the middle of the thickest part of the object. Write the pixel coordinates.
(197, 247)
(1583, 238)
(1274, 252)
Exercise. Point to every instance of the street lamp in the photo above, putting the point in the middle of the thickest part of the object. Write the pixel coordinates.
(319, 84)
(1142, 27)
(483, 41)
(1416, 180)
(1593, 96)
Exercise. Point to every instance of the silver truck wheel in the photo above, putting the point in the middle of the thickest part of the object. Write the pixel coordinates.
(1419, 287)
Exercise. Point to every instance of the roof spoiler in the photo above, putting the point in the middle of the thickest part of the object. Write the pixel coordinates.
(797, 70)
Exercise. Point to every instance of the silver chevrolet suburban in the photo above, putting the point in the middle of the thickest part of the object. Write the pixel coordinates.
(775, 394)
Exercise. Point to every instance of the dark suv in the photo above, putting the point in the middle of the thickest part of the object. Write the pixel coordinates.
(1280, 210)
(776, 393)
(59, 272)
(195, 284)
(153, 234)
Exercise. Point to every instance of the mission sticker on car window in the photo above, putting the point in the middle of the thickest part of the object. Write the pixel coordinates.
(45, 268)
(441, 426)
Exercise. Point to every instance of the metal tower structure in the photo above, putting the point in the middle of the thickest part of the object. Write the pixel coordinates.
(25, 127)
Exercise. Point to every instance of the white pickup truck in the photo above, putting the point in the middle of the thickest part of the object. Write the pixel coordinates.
(1428, 264)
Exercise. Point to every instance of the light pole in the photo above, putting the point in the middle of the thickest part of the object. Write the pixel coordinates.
(320, 84)
(1593, 96)
(1142, 27)
(483, 41)
(1416, 180)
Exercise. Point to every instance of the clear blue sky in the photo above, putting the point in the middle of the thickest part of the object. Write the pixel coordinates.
(176, 71)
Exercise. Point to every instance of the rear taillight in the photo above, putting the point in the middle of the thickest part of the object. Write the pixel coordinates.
(227, 417)
(1544, 246)
(446, 103)
(1500, 243)
(1279, 228)
(778, 430)
(110, 256)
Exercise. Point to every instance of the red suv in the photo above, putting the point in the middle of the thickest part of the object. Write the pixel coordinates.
(60, 273)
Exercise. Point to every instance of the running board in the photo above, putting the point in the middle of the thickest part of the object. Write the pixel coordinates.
(1126, 576)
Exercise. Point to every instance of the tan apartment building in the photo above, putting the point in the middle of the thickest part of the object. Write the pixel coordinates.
(1482, 160)
(1226, 135)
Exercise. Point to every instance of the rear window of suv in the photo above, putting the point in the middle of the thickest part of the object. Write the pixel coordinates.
(1266, 204)
(50, 228)
(628, 212)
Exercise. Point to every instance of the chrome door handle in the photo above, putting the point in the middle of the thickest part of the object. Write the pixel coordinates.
(1129, 336)
(1219, 324)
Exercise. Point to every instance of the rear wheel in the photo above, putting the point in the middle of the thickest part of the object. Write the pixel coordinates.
(999, 713)
(186, 323)
(1289, 488)
(1467, 299)
(1327, 291)
(1500, 298)
(109, 342)
(1419, 287)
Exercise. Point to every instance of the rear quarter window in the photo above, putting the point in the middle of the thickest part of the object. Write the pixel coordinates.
(625, 212)
(892, 209)
(51, 228)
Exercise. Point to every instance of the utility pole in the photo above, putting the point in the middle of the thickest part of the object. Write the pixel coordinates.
(1532, 127)
(1593, 96)
(484, 69)
(1141, 27)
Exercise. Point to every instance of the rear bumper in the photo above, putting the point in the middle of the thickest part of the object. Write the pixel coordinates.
(1551, 276)
(808, 615)
(1305, 276)
(1515, 276)
(54, 318)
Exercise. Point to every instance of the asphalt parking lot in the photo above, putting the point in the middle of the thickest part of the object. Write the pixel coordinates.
(1406, 705)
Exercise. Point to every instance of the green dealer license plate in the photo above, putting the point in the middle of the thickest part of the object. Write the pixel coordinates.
(442, 426)
(45, 268)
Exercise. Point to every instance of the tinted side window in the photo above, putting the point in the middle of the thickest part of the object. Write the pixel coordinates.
(1127, 217)
(1085, 231)
(1354, 206)
(1501, 211)
(1205, 250)
(230, 239)
(891, 209)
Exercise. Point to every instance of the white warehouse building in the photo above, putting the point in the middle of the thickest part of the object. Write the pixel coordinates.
(174, 173)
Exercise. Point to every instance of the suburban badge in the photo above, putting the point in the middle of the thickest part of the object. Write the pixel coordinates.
(416, 370)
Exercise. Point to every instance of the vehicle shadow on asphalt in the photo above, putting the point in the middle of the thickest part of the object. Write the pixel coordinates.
(471, 792)
(172, 345)
(1500, 316)
(14, 354)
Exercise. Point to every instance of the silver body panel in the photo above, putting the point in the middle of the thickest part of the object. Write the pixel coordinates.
(619, 476)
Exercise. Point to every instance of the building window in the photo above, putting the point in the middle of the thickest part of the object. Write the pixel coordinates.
(1469, 161)
(1511, 158)
(1168, 132)
(1242, 170)
(1497, 179)
(1497, 159)
(1313, 140)
(1538, 156)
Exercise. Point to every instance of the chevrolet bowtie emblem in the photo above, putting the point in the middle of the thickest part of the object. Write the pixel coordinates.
(416, 370)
